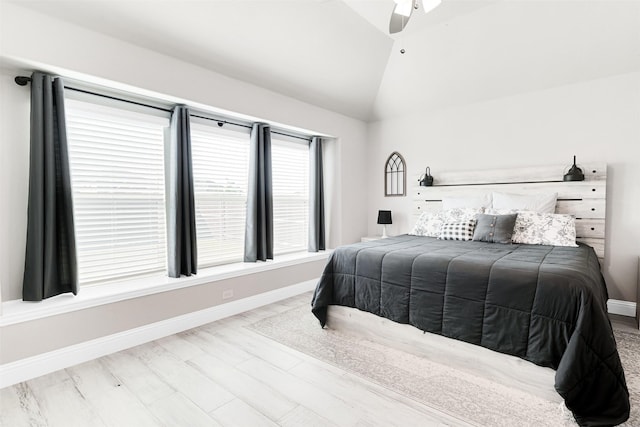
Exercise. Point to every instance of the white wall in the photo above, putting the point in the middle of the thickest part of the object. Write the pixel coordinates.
(49, 44)
(14, 160)
(597, 120)
(28, 338)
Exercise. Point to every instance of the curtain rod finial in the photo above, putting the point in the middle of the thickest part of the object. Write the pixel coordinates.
(22, 80)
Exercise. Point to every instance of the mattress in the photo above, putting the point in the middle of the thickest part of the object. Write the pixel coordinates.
(544, 304)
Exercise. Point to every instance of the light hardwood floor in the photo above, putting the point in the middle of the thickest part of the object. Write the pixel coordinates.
(220, 374)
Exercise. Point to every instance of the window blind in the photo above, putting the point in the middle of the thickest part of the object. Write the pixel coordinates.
(220, 171)
(290, 164)
(117, 173)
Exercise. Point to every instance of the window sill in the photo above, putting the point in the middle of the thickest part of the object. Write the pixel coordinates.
(18, 311)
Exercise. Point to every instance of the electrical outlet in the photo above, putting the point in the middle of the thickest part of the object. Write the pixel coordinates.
(226, 294)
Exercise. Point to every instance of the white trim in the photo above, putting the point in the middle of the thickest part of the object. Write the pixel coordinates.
(623, 308)
(18, 311)
(35, 366)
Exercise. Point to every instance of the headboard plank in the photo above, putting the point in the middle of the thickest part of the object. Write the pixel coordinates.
(590, 228)
(553, 173)
(565, 190)
(585, 200)
(586, 208)
(580, 208)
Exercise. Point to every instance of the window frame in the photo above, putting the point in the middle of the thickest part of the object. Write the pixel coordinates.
(150, 106)
(232, 132)
(280, 141)
(85, 105)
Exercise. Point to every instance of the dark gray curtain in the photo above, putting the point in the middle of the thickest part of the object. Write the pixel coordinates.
(316, 197)
(50, 266)
(258, 237)
(181, 216)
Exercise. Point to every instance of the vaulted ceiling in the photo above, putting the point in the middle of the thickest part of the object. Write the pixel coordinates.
(337, 54)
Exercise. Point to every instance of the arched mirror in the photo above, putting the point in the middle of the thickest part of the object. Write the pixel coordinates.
(395, 176)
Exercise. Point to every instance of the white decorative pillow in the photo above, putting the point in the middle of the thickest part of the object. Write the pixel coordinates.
(461, 214)
(535, 228)
(462, 230)
(428, 224)
(539, 202)
(482, 201)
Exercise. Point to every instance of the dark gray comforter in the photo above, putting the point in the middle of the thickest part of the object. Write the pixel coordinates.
(545, 304)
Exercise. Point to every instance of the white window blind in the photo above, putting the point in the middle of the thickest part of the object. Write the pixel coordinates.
(220, 170)
(290, 162)
(117, 173)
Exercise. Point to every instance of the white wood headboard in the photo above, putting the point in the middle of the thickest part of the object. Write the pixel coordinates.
(586, 200)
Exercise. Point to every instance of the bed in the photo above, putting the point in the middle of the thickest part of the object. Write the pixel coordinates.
(540, 303)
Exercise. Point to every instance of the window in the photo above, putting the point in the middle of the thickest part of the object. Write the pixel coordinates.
(220, 158)
(116, 158)
(117, 161)
(290, 164)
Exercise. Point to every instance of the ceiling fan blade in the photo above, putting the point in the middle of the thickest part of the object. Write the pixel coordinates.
(400, 16)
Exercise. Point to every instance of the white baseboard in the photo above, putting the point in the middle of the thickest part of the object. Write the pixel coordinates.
(623, 308)
(32, 367)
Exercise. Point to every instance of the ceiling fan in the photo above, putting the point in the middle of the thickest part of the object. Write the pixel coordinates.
(403, 10)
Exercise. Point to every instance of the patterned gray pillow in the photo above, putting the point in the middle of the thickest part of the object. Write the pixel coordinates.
(429, 224)
(495, 228)
(536, 228)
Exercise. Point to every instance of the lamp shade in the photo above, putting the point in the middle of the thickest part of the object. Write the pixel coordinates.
(384, 217)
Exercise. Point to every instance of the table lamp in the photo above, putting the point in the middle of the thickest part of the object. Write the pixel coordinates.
(384, 218)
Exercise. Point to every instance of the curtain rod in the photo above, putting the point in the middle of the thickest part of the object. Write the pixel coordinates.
(24, 80)
(221, 122)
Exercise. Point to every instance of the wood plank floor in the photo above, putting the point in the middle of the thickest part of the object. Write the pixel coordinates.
(220, 374)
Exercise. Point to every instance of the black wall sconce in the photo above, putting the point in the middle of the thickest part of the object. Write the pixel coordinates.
(426, 180)
(574, 173)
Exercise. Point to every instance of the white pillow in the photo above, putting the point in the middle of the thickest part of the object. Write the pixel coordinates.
(428, 224)
(483, 201)
(536, 228)
(538, 202)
